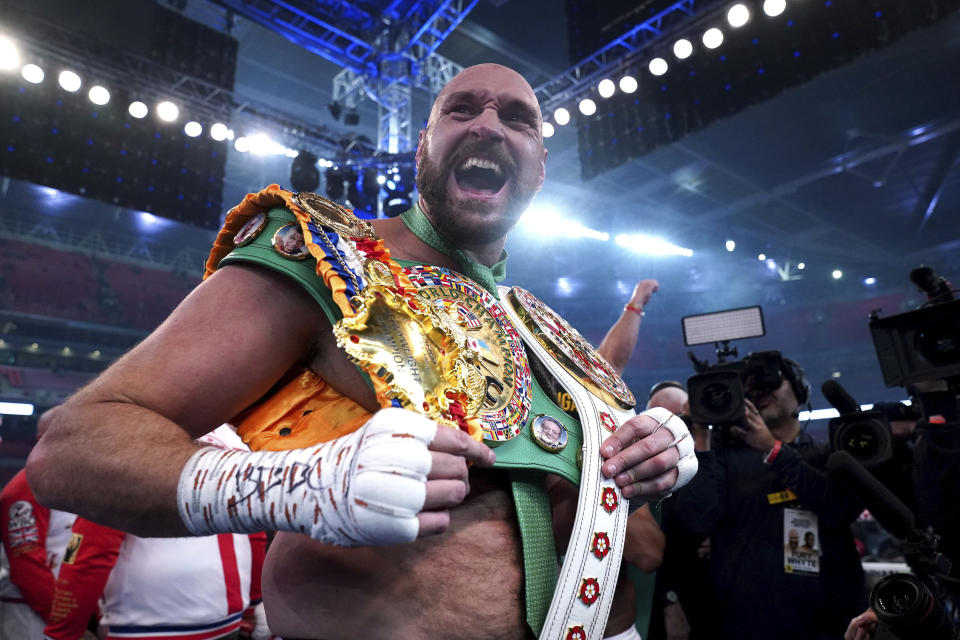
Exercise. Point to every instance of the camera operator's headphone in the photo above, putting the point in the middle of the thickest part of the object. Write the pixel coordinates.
(793, 372)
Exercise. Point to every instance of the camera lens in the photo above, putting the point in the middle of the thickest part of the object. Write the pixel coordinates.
(909, 608)
(716, 397)
(860, 440)
(869, 440)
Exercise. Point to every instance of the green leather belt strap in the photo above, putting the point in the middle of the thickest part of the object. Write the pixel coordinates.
(536, 535)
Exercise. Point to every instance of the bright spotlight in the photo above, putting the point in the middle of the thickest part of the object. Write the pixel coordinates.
(606, 88)
(561, 116)
(148, 218)
(138, 109)
(712, 38)
(262, 145)
(651, 246)
(381, 179)
(802, 266)
(628, 84)
(69, 81)
(218, 131)
(731, 245)
(193, 128)
(658, 66)
(588, 107)
(16, 408)
(167, 111)
(837, 274)
(738, 15)
(870, 281)
(32, 73)
(761, 257)
(773, 8)
(771, 264)
(546, 221)
(291, 153)
(547, 130)
(242, 144)
(98, 95)
(9, 56)
(682, 48)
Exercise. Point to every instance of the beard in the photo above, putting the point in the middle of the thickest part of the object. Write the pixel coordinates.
(469, 221)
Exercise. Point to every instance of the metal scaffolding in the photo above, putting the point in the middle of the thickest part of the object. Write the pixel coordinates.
(383, 58)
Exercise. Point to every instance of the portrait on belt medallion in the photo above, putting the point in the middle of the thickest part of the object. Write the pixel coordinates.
(288, 241)
(549, 433)
(250, 230)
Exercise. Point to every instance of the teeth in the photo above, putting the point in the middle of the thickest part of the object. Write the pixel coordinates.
(480, 163)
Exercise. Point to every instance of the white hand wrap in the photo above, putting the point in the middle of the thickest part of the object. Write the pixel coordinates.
(362, 489)
(682, 440)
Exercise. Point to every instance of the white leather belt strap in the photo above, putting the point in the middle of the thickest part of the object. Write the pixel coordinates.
(584, 594)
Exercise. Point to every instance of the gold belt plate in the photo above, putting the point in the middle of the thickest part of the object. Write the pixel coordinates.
(570, 349)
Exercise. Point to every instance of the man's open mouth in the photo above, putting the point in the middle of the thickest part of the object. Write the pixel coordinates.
(480, 175)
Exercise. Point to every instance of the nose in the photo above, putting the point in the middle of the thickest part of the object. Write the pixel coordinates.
(487, 125)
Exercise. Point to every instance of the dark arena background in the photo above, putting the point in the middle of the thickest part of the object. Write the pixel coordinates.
(803, 156)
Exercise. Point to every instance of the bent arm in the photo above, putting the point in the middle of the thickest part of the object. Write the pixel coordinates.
(114, 451)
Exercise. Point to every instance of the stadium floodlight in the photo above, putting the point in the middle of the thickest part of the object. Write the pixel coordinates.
(606, 88)
(628, 84)
(712, 38)
(32, 73)
(218, 131)
(9, 55)
(16, 408)
(138, 109)
(738, 15)
(561, 116)
(193, 128)
(658, 66)
(98, 95)
(544, 220)
(651, 245)
(548, 130)
(167, 111)
(69, 81)
(773, 8)
(682, 48)
(588, 107)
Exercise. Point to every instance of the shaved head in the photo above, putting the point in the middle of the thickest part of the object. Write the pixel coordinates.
(467, 74)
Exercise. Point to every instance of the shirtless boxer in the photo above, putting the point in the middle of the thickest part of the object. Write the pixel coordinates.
(118, 451)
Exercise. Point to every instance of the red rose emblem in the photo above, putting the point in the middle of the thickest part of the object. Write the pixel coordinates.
(589, 591)
(609, 500)
(601, 545)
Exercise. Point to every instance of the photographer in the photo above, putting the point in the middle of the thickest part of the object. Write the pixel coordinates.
(762, 479)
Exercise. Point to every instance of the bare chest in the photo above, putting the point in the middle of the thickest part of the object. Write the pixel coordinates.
(466, 583)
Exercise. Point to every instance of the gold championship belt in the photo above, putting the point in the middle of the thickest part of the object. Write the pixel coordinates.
(435, 342)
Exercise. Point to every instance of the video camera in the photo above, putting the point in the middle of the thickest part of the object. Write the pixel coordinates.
(865, 435)
(923, 344)
(717, 391)
(913, 348)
